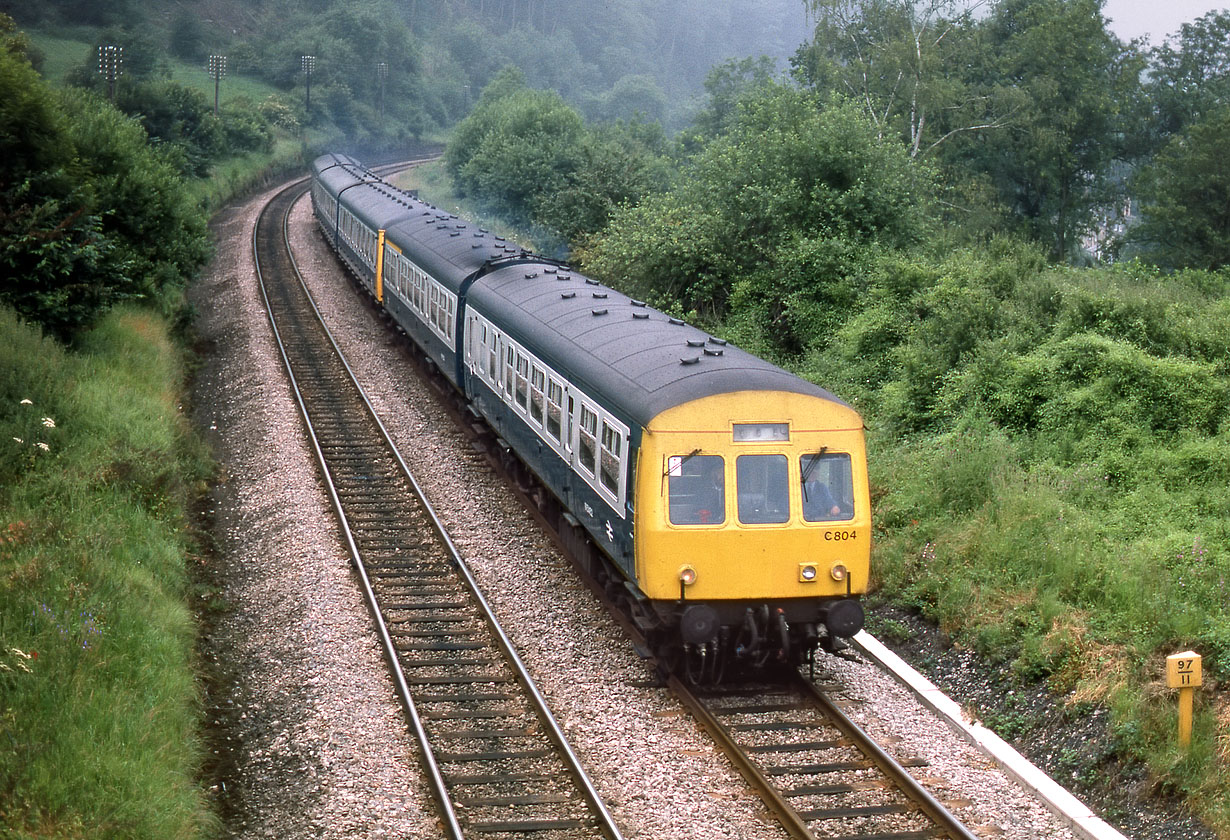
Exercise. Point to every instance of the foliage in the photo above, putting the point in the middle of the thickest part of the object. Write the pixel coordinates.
(794, 184)
(92, 215)
(1189, 76)
(1185, 191)
(527, 156)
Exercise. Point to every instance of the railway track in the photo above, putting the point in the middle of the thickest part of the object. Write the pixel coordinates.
(497, 762)
(819, 773)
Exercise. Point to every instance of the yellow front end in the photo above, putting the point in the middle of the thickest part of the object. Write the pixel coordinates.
(733, 545)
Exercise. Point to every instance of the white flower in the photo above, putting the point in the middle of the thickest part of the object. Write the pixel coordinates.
(43, 446)
(26, 402)
(19, 440)
(49, 423)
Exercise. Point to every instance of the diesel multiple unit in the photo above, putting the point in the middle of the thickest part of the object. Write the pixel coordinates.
(723, 497)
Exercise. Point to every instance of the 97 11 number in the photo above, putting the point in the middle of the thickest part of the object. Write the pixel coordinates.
(840, 536)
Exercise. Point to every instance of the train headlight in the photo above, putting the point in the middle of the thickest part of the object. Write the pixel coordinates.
(807, 572)
(838, 572)
(687, 575)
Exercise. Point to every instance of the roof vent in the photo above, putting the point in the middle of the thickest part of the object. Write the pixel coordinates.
(720, 342)
(455, 233)
(600, 295)
(689, 360)
(640, 316)
(568, 295)
(548, 271)
(709, 351)
(530, 275)
(565, 277)
(675, 321)
(598, 312)
(693, 343)
(636, 302)
(591, 281)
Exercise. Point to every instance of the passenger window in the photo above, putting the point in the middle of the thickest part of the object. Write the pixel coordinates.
(589, 440)
(763, 489)
(696, 489)
(555, 399)
(612, 445)
(828, 491)
(523, 370)
(537, 382)
(508, 371)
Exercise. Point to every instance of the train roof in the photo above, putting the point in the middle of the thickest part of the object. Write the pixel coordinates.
(635, 359)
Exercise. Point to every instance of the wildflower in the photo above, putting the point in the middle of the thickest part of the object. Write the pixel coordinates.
(26, 402)
(43, 446)
(19, 440)
(49, 423)
(17, 652)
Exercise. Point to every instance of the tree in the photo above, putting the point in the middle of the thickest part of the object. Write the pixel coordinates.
(905, 62)
(89, 214)
(790, 168)
(1079, 89)
(1185, 199)
(1190, 76)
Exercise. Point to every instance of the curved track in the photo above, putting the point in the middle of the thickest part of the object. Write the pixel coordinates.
(496, 760)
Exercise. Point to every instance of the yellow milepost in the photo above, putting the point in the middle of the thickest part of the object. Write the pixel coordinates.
(1183, 673)
(380, 266)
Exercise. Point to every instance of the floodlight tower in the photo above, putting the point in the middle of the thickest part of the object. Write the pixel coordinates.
(217, 69)
(309, 64)
(110, 65)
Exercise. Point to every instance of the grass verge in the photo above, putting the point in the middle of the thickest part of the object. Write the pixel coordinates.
(98, 704)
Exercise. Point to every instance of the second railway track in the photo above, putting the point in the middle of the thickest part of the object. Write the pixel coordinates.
(497, 762)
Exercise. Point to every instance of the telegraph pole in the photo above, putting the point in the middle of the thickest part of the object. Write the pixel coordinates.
(110, 65)
(217, 69)
(309, 64)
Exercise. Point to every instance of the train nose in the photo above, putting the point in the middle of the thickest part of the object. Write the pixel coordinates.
(843, 618)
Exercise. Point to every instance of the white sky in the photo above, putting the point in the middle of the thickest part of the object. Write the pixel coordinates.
(1155, 18)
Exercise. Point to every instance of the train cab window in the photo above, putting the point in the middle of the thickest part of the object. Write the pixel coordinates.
(589, 440)
(828, 491)
(696, 489)
(555, 401)
(763, 489)
(523, 371)
(612, 446)
(538, 383)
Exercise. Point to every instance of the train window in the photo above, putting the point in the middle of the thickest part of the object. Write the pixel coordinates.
(696, 489)
(589, 440)
(523, 370)
(538, 383)
(570, 414)
(828, 491)
(509, 356)
(612, 446)
(763, 489)
(493, 360)
(555, 399)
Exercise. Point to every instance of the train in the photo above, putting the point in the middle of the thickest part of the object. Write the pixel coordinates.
(722, 499)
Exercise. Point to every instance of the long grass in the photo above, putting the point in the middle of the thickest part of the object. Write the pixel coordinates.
(99, 705)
